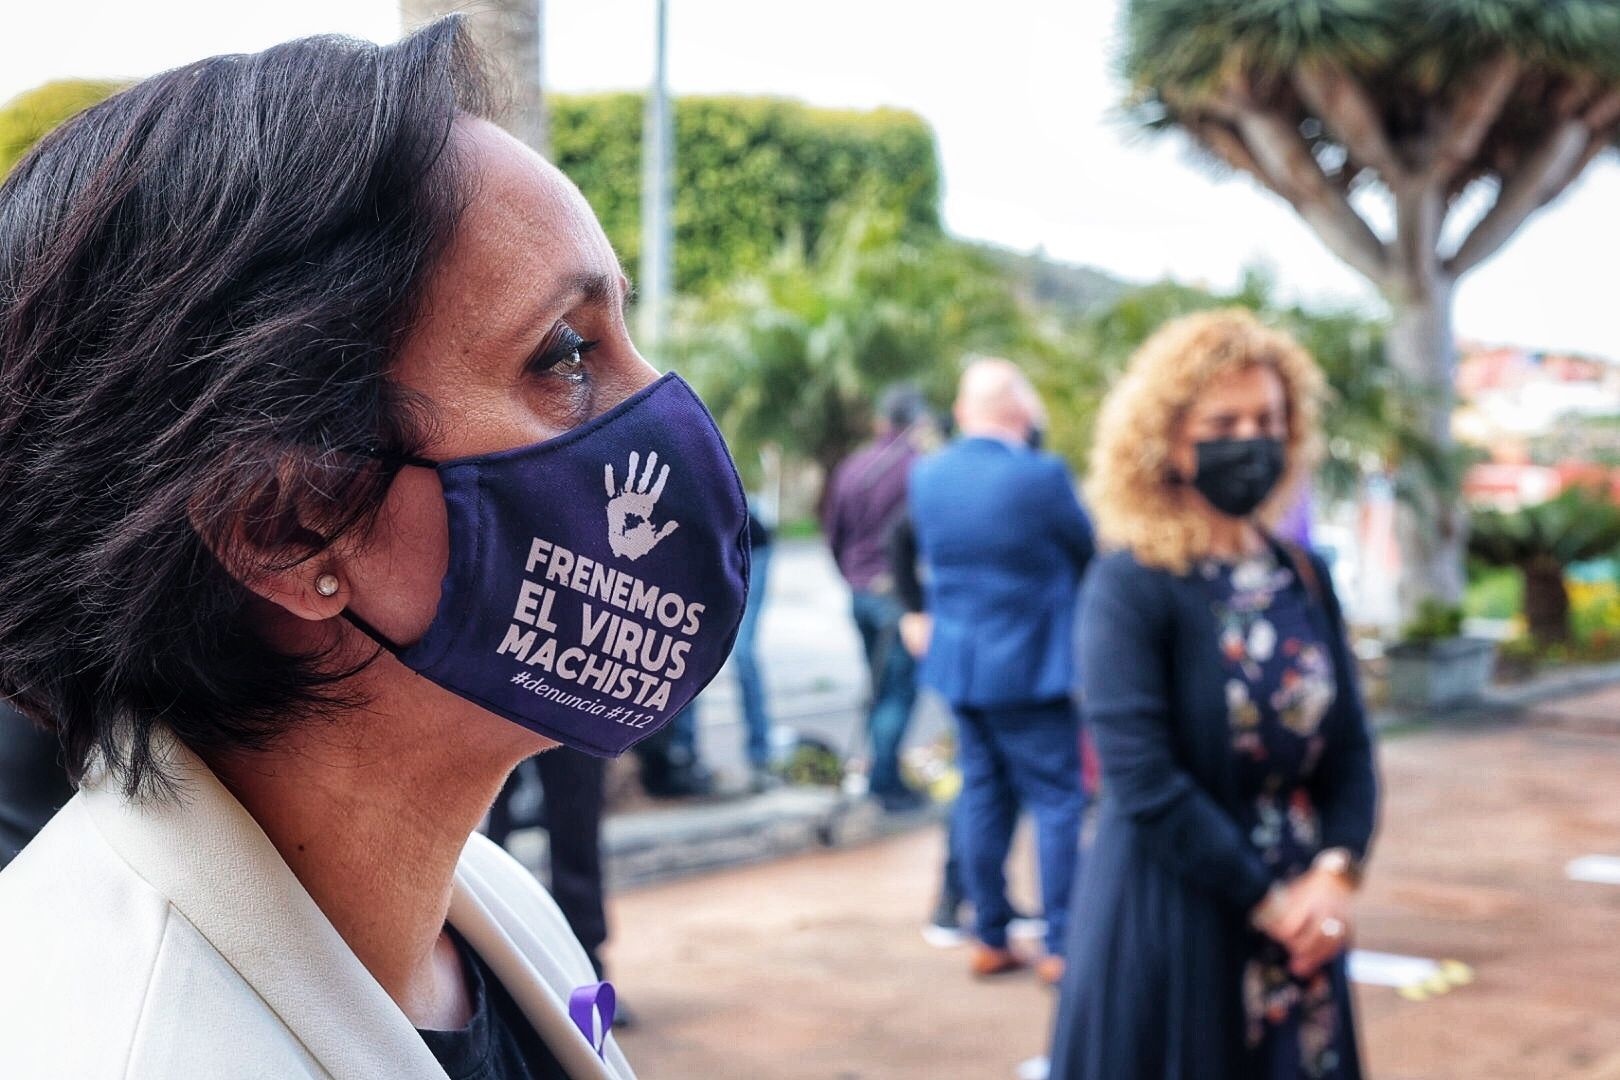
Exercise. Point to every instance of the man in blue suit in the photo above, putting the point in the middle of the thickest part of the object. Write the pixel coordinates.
(1004, 543)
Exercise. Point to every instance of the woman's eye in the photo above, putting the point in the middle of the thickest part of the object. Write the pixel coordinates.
(571, 366)
(562, 355)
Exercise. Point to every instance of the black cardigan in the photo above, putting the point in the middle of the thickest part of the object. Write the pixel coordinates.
(1160, 914)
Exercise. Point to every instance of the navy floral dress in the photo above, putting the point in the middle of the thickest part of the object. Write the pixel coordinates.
(1234, 745)
(1280, 685)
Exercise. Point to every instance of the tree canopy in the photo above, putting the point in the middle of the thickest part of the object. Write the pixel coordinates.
(1318, 97)
(794, 354)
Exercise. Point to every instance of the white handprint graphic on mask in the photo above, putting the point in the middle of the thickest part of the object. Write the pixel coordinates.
(629, 511)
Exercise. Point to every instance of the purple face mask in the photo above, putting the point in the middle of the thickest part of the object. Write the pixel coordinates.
(596, 580)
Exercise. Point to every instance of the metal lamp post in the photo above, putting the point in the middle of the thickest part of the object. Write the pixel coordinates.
(657, 239)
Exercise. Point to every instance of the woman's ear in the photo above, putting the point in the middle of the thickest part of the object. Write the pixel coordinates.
(267, 546)
(311, 590)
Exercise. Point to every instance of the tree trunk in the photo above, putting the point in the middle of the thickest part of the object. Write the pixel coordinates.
(1432, 525)
(1546, 602)
(508, 33)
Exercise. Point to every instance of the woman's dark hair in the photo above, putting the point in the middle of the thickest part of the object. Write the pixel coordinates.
(203, 281)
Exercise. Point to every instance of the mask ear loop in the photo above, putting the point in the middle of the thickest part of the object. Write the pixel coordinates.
(397, 460)
(370, 631)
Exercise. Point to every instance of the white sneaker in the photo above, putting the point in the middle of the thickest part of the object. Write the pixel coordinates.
(944, 937)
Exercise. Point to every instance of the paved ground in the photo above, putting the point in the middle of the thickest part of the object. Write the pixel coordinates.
(812, 967)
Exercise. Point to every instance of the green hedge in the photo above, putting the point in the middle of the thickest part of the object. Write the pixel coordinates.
(26, 118)
(750, 173)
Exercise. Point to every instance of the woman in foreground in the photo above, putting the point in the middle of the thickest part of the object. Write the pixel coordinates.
(333, 489)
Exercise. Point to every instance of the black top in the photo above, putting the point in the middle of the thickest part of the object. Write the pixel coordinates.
(908, 586)
(498, 1043)
(33, 783)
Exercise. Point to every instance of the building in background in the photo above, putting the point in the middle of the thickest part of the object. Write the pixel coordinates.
(1546, 421)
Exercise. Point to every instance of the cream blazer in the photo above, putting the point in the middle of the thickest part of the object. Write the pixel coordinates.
(170, 942)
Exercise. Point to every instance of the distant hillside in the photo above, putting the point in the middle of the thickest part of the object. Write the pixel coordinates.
(1072, 288)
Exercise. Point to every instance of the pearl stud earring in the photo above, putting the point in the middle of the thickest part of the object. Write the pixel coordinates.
(327, 585)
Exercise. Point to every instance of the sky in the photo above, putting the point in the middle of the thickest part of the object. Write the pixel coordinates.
(1023, 103)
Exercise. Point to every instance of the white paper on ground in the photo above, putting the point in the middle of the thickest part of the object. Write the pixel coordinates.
(1390, 969)
(1601, 869)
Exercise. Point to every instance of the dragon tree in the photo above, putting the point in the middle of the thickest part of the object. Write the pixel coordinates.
(1415, 137)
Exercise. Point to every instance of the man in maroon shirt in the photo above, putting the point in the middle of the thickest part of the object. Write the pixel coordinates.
(867, 492)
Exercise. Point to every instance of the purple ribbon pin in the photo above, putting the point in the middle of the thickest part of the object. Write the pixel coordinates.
(591, 1009)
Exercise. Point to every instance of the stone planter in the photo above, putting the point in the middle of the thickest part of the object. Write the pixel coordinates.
(1440, 674)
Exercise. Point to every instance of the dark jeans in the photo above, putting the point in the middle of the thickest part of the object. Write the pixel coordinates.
(573, 783)
(670, 763)
(681, 745)
(952, 888)
(894, 687)
(1012, 757)
(673, 753)
(749, 679)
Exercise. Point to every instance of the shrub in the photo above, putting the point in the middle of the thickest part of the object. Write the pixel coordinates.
(749, 174)
(26, 118)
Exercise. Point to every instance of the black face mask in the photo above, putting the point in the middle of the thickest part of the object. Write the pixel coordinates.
(1236, 475)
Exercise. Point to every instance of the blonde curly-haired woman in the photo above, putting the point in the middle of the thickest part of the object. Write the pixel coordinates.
(1213, 912)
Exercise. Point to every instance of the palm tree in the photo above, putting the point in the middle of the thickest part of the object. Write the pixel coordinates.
(793, 356)
(1432, 107)
(1541, 542)
(509, 34)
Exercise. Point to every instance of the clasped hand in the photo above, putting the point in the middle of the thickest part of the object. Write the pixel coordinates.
(1299, 915)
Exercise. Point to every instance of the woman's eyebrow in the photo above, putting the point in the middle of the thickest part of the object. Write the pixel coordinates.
(594, 289)
(585, 288)
(602, 290)
(608, 290)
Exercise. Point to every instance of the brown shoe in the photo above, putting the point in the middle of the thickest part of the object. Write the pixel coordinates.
(989, 961)
(1049, 969)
